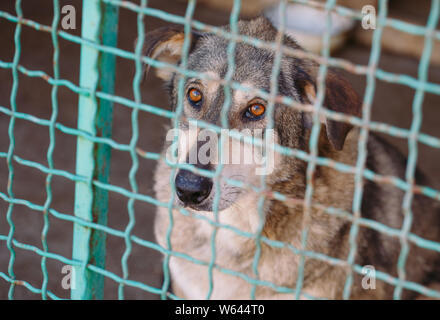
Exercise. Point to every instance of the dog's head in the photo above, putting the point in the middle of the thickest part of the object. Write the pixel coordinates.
(247, 112)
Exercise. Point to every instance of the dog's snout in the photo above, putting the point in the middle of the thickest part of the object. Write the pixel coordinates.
(191, 188)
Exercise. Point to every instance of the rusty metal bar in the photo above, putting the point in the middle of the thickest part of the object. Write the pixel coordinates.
(97, 72)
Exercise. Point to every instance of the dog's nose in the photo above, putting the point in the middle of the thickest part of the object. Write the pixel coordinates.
(192, 188)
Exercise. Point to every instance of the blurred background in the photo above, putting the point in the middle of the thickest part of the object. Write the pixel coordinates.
(392, 105)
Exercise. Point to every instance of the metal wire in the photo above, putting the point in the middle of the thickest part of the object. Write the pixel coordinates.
(372, 72)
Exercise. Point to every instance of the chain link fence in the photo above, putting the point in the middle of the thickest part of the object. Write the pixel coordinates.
(94, 145)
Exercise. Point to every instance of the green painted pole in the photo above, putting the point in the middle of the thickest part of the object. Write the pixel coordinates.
(97, 72)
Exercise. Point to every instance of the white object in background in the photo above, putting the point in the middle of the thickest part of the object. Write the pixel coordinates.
(307, 25)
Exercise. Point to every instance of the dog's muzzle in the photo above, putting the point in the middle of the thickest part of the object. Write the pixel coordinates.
(192, 189)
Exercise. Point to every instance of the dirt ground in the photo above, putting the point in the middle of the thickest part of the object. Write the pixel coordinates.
(392, 105)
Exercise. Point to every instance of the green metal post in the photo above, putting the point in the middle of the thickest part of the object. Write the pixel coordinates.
(97, 72)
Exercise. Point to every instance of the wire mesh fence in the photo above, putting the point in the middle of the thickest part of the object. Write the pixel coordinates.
(94, 144)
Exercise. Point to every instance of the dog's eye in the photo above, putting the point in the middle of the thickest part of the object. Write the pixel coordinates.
(194, 97)
(255, 111)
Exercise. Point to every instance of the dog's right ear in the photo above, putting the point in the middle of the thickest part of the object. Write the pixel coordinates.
(165, 44)
(339, 97)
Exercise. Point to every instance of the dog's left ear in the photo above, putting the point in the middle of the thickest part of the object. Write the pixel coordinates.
(339, 97)
(165, 44)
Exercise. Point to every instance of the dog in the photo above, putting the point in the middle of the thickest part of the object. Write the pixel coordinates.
(240, 207)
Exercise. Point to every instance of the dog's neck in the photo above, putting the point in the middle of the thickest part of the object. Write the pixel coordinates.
(330, 187)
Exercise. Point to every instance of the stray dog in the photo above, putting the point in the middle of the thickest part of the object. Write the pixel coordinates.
(238, 207)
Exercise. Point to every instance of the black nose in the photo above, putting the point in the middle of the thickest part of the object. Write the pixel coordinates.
(192, 188)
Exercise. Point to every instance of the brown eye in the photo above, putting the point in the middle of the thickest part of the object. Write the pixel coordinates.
(194, 96)
(255, 111)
